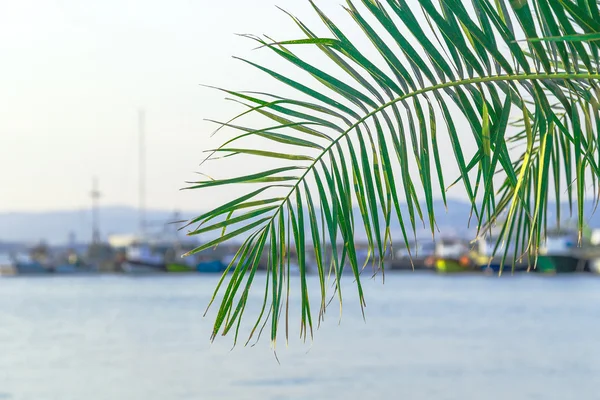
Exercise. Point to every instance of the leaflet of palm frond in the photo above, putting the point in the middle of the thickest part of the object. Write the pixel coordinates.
(366, 125)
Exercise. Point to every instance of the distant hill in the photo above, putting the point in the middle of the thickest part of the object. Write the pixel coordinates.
(56, 227)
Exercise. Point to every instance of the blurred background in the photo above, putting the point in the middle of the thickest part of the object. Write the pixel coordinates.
(102, 122)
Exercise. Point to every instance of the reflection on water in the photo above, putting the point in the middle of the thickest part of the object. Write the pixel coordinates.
(426, 337)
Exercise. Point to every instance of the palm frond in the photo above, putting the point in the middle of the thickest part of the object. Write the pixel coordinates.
(364, 131)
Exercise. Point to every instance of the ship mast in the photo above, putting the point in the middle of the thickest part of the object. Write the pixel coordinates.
(142, 172)
(95, 194)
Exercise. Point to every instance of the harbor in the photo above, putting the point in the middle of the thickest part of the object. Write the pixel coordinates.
(376, 199)
(162, 247)
(135, 255)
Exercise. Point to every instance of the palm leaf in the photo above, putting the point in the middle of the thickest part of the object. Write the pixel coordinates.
(447, 70)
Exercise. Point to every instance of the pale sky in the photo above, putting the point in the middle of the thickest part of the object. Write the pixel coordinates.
(73, 74)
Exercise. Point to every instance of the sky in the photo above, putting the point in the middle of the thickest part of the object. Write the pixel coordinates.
(74, 74)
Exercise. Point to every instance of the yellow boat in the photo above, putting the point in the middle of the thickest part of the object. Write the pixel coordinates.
(450, 265)
(180, 267)
(452, 256)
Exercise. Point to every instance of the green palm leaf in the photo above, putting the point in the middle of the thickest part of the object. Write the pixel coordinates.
(445, 69)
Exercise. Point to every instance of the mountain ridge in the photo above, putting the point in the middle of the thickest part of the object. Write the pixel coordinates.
(62, 226)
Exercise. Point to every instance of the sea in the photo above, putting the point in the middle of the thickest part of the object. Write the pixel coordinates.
(423, 337)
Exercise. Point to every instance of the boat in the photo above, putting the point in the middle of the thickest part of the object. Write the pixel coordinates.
(134, 268)
(454, 265)
(102, 257)
(496, 265)
(452, 256)
(553, 264)
(69, 263)
(142, 258)
(559, 254)
(72, 268)
(216, 259)
(27, 265)
(211, 266)
(176, 263)
(420, 252)
(490, 261)
(179, 267)
(67, 269)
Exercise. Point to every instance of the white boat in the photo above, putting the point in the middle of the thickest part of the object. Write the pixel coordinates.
(130, 268)
(418, 249)
(420, 252)
(451, 248)
(142, 258)
(559, 243)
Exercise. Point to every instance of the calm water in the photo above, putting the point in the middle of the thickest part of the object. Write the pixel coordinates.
(426, 337)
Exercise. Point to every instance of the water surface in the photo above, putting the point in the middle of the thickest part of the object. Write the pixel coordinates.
(426, 337)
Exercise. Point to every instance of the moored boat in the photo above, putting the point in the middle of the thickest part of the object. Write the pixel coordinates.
(102, 257)
(69, 269)
(175, 262)
(556, 263)
(179, 267)
(452, 265)
(137, 268)
(26, 265)
(496, 265)
(558, 254)
(451, 256)
(69, 263)
(416, 259)
(141, 258)
(490, 258)
(211, 266)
